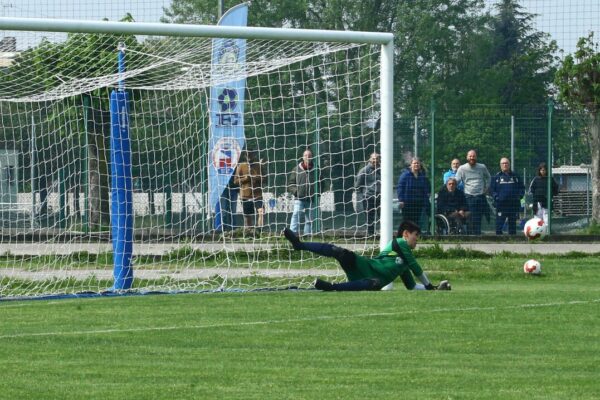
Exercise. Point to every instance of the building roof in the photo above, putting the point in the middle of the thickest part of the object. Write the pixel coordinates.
(570, 170)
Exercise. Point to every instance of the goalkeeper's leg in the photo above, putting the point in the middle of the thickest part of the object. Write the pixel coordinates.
(346, 258)
(352, 286)
(322, 249)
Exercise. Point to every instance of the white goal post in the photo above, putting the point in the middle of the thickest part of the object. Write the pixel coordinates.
(180, 75)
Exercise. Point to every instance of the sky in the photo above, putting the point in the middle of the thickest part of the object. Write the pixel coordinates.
(565, 20)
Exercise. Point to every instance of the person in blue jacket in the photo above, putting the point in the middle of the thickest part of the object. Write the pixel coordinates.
(507, 189)
(413, 192)
(451, 173)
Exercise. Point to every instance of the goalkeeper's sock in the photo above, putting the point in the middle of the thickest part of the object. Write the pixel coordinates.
(323, 249)
(419, 286)
(355, 286)
(425, 281)
(293, 239)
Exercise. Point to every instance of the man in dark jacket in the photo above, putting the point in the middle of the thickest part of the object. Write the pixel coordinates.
(304, 186)
(368, 185)
(452, 203)
(507, 190)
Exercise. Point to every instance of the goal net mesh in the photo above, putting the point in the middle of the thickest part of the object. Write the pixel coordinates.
(55, 160)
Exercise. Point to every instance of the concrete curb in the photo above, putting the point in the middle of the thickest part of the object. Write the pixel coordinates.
(524, 248)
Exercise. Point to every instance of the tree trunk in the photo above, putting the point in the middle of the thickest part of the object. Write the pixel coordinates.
(98, 131)
(595, 167)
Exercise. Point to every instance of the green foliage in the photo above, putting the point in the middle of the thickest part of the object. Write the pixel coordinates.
(49, 65)
(455, 52)
(437, 42)
(524, 57)
(446, 49)
(578, 82)
(578, 79)
(593, 228)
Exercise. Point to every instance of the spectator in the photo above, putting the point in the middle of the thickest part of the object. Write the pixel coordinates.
(452, 203)
(248, 176)
(368, 186)
(413, 192)
(539, 191)
(451, 173)
(507, 190)
(303, 185)
(476, 179)
(228, 204)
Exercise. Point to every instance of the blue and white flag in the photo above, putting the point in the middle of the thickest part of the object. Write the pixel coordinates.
(228, 84)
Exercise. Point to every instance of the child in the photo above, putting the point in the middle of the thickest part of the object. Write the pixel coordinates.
(363, 273)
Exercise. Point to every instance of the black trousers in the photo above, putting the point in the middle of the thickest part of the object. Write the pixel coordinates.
(371, 205)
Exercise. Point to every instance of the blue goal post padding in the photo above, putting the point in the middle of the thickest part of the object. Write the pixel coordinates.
(121, 217)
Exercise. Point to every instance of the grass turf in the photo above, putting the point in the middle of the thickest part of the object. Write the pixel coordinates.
(498, 335)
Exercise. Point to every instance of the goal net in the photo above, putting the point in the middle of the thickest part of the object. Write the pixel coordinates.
(57, 161)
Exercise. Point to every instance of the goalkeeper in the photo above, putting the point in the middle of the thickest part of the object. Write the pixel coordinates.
(363, 273)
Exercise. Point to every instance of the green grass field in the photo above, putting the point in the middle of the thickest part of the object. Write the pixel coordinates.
(498, 335)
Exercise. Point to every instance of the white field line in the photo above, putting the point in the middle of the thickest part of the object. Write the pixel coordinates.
(157, 249)
(295, 320)
(182, 274)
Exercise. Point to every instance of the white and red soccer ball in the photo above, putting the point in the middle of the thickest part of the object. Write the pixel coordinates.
(535, 228)
(532, 267)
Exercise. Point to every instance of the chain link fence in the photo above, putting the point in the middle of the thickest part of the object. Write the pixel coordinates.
(525, 135)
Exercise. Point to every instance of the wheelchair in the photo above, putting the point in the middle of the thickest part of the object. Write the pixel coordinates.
(443, 226)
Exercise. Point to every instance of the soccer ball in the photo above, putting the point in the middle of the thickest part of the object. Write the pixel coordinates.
(532, 267)
(535, 228)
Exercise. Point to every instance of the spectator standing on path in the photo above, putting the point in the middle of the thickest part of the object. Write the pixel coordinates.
(228, 204)
(248, 176)
(451, 173)
(507, 189)
(303, 181)
(413, 192)
(476, 179)
(539, 191)
(368, 188)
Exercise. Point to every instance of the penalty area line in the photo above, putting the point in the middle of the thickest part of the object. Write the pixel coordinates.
(295, 320)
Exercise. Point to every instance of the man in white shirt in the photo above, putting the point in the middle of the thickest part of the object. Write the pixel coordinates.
(476, 179)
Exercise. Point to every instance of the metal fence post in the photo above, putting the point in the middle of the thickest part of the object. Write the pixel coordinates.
(432, 172)
(549, 164)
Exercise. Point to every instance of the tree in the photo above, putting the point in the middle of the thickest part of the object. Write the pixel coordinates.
(452, 51)
(578, 82)
(331, 91)
(49, 66)
(439, 46)
(524, 56)
(505, 64)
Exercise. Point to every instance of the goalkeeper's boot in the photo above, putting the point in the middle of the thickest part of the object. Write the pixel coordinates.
(293, 239)
(444, 285)
(320, 284)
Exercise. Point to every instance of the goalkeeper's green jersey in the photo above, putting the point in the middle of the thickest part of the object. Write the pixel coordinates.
(387, 266)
